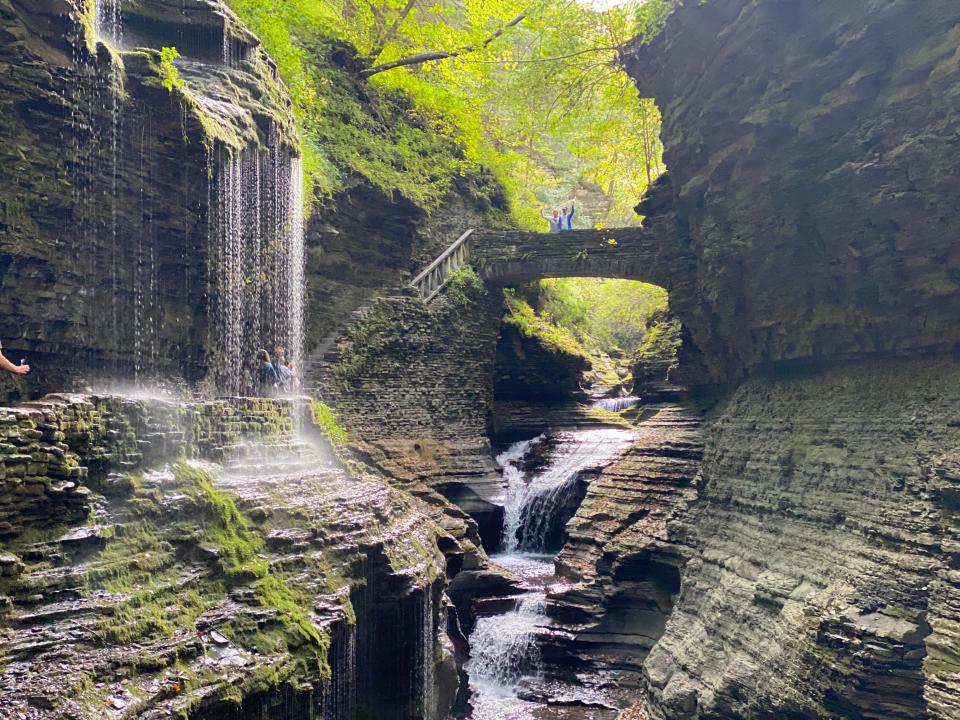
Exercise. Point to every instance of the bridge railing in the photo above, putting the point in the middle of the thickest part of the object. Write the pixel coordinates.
(435, 276)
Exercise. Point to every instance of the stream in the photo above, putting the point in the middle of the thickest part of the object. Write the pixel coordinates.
(542, 487)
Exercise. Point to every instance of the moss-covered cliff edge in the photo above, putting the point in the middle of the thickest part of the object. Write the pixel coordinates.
(247, 579)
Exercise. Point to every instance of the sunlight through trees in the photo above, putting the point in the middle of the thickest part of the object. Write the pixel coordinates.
(534, 92)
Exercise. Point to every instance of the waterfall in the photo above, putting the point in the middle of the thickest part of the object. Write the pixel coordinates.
(617, 404)
(95, 163)
(146, 297)
(425, 666)
(515, 489)
(534, 501)
(113, 93)
(503, 648)
(337, 698)
(256, 261)
(108, 21)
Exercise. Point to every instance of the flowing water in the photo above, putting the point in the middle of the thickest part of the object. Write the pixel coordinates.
(617, 404)
(534, 501)
(108, 21)
(256, 264)
(507, 673)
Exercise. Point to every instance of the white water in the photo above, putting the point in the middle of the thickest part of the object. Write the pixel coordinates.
(617, 404)
(532, 502)
(256, 262)
(504, 649)
(515, 489)
(108, 21)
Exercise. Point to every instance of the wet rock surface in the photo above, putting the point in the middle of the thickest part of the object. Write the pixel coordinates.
(818, 577)
(622, 566)
(269, 582)
(105, 222)
(413, 382)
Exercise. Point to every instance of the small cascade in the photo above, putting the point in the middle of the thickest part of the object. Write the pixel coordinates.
(424, 669)
(503, 648)
(617, 404)
(515, 491)
(540, 479)
(337, 699)
(546, 513)
(256, 262)
(533, 501)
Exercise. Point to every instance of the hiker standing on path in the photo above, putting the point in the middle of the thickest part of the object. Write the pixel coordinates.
(568, 217)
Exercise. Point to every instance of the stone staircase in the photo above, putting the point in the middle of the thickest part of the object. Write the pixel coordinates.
(315, 363)
(427, 284)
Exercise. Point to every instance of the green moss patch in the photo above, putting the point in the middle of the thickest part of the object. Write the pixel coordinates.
(553, 337)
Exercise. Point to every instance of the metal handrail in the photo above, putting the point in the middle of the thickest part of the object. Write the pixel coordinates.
(433, 279)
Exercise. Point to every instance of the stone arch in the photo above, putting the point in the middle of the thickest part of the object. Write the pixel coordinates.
(507, 257)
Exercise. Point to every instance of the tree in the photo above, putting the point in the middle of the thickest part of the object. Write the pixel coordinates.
(534, 91)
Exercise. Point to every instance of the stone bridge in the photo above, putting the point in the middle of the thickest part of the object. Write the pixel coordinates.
(511, 256)
(507, 257)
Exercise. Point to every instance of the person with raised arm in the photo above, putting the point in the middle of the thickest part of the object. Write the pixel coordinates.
(554, 220)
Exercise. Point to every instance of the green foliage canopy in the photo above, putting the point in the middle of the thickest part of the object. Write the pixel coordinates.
(611, 316)
(542, 102)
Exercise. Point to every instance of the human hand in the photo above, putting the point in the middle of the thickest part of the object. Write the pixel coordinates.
(22, 369)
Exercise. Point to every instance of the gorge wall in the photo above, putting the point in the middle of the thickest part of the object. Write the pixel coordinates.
(362, 244)
(262, 577)
(146, 228)
(814, 195)
(413, 382)
(810, 153)
(819, 578)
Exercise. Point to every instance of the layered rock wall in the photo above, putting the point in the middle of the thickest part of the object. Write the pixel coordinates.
(49, 446)
(366, 245)
(623, 567)
(413, 382)
(813, 204)
(814, 191)
(263, 579)
(113, 210)
(819, 575)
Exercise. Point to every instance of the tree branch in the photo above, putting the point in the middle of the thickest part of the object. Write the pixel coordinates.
(421, 58)
(542, 60)
(392, 30)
